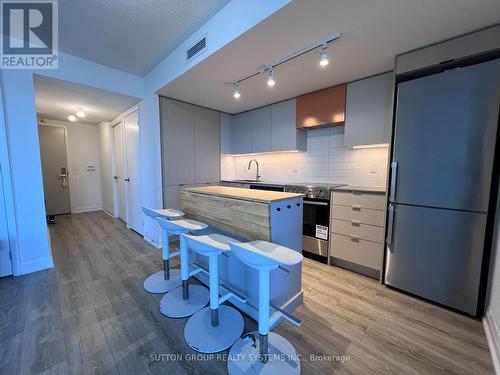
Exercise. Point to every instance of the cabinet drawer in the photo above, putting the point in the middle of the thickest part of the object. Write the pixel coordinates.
(362, 252)
(363, 231)
(363, 215)
(353, 198)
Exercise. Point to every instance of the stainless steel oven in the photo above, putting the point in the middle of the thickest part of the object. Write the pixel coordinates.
(316, 219)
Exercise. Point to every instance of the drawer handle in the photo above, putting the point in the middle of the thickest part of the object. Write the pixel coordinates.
(356, 207)
(356, 222)
(354, 238)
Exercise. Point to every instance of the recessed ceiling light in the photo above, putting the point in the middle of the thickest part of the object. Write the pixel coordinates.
(270, 78)
(323, 57)
(80, 113)
(236, 93)
(71, 118)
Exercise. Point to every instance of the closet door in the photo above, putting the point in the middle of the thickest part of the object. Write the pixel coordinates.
(207, 145)
(177, 139)
(133, 172)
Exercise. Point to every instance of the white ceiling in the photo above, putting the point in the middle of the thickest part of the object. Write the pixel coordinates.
(56, 99)
(130, 35)
(373, 33)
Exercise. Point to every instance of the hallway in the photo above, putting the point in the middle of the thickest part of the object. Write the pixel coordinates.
(90, 314)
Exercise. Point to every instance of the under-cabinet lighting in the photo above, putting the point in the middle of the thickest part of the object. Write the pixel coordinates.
(376, 145)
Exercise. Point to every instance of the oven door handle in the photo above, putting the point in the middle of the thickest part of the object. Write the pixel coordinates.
(316, 203)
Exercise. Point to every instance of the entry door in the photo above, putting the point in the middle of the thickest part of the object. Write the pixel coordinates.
(119, 177)
(133, 185)
(54, 169)
(5, 261)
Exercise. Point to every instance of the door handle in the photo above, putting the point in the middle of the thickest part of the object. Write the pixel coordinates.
(115, 178)
(390, 225)
(394, 175)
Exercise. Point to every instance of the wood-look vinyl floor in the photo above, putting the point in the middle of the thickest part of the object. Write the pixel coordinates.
(91, 315)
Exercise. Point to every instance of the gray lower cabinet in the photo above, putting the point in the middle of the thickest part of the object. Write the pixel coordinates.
(190, 144)
(357, 231)
(285, 136)
(241, 135)
(177, 142)
(207, 145)
(261, 129)
(369, 110)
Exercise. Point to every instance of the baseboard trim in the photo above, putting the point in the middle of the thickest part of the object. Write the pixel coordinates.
(493, 336)
(108, 213)
(36, 265)
(151, 242)
(86, 209)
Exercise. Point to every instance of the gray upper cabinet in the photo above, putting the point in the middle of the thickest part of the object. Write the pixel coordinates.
(285, 136)
(242, 133)
(177, 138)
(261, 129)
(269, 128)
(369, 111)
(207, 145)
(225, 133)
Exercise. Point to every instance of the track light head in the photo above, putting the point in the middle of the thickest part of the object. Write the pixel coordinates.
(236, 92)
(71, 118)
(80, 113)
(323, 57)
(270, 78)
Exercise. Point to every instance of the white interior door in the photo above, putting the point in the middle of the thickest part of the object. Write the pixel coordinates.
(133, 185)
(5, 261)
(119, 178)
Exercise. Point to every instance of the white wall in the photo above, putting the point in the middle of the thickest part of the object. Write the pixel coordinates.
(105, 133)
(82, 146)
(492, 318)
(326, 161)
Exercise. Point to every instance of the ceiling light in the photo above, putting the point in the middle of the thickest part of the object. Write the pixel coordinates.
(323, 57)
(71, 118)
(270, 78)
(236, 93)
(80, 113)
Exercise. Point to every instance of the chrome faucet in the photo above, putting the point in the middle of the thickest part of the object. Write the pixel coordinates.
(257, 176)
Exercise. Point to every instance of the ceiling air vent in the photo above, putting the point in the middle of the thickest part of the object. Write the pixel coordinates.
(196, 49)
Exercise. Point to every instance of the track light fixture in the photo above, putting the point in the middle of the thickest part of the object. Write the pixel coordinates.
(322, 45)
(236, 92)
(71, 118)
(323, 57)
(270, 77)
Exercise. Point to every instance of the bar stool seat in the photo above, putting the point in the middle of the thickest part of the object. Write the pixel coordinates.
(217, 327)
(272, 354)
(176, 304)
(167, 279)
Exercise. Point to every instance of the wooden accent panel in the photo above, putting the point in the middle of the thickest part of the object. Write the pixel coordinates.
(246, 219)
(320, 108)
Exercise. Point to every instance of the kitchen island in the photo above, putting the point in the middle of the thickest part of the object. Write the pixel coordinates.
(250, 215)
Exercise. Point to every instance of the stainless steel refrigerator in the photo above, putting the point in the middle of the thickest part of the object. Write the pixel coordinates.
(441, 174)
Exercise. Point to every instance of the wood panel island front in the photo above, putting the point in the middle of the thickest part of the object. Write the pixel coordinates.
(250, 215)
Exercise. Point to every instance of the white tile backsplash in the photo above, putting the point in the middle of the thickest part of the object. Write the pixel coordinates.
(326, 161)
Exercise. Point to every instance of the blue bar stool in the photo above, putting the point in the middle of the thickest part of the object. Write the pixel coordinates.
(163, 281)
(275, 355)
(215, 328)
(185, 301)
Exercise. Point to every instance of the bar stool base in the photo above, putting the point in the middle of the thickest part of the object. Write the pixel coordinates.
(173, 306)
(202, 337)
(157, 284)
(244, 357)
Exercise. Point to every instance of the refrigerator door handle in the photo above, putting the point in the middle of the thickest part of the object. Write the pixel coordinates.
(390, 225)
(394, 175)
